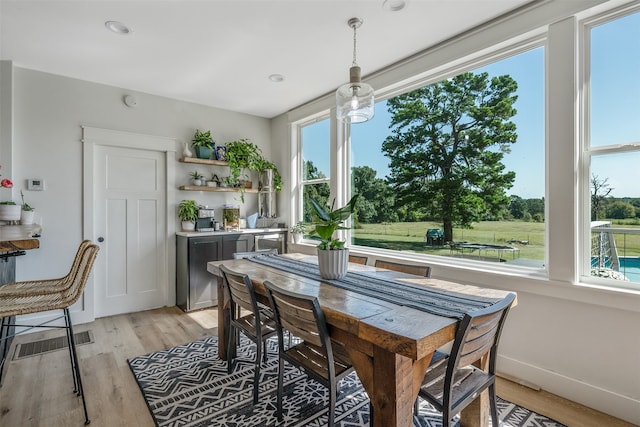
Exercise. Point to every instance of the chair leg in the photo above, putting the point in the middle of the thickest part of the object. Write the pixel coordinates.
(256, 371)
(280, 387)
(230, 347)
(5, 342)
(332, 402)
(495, 421)
(72, 343)
(76, 389)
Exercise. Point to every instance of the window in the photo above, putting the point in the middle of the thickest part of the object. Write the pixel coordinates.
(315, 142)
(612, 151)
(456, 168)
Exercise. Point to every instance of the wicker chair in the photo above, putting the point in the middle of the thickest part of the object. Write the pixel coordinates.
(452, 382)
(324, 360)
(258, 325)
(21, 298)
(418, 270)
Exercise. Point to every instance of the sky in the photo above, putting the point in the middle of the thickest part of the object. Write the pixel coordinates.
(615, 113)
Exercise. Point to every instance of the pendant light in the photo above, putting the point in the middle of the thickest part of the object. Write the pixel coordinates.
(354, 100)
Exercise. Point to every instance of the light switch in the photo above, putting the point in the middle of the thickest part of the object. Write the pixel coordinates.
(35, 184)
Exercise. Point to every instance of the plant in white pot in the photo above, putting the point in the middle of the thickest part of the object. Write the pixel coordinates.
(297, 231)
(333, 257)
(188, 213)
(28, 213)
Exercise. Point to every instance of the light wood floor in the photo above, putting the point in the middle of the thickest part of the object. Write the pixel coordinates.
(37, 390)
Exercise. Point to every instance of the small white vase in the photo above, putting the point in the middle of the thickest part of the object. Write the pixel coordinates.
(26, 217)
(197, 182)
(186, 152)
(10, 212)
(297, 238)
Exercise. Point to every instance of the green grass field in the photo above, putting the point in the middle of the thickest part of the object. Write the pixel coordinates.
(410, 236)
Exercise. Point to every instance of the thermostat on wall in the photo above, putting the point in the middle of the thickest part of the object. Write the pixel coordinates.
(35, 184)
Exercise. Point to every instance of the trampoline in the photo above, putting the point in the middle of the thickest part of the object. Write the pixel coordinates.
(477, 248)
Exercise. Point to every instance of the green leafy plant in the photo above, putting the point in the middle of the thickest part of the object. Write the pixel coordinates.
(188, 210)
(327, 220)
(243, 155)
(195, 175)
(202, 139)
(299, 228)
(25, 206)
(7, 203)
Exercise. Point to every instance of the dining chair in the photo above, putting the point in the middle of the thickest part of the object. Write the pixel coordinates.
(258, 325)
(418, 270)
(240, 255)
(19, 299)
(452, 381)
(321, 358)
(357, 259)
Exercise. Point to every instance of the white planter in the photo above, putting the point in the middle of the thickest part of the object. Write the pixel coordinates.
(26, 217)
(188, 226)
(10, 212)
(197, 182)
(212, 184)
(333, 264)
(297, 238)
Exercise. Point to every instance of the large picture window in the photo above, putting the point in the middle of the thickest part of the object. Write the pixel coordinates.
(456, 168)
(612, 151)
(315, 142)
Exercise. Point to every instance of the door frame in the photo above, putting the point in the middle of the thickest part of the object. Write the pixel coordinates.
(92, 137)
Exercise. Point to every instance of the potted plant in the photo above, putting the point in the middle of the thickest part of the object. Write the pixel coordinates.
(196, 177)
(214, 181)
(188, 213)
(27, 214)
(333, 257)
(242, 156)
(297, 231)
(203, 143)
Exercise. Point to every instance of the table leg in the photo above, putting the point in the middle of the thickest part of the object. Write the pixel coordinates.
(224, 318)
(392, 382)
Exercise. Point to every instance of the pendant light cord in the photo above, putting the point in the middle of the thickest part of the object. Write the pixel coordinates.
(354, 45)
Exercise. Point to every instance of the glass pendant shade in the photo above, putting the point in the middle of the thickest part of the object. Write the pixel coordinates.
(355, 100)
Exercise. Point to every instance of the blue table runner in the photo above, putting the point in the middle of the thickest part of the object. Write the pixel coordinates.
(435, 301)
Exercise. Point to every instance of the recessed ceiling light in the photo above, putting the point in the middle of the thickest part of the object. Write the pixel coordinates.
(117, 27)
(277, 78)
(394, 5)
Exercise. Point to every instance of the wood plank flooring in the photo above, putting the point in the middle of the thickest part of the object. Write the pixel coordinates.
(37, 390)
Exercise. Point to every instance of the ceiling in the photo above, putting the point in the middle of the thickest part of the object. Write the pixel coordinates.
(221, 53)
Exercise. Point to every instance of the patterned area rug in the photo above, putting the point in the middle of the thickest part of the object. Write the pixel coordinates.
(188, 385)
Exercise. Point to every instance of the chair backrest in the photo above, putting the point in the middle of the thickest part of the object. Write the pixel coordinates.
(418, 270)
(71, 294)
(358, 259)
(78, 258)
(478, 334)
(302, 316)
(241, 291)
(240, 255)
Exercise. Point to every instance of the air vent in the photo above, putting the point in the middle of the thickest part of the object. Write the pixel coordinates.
(51, 344)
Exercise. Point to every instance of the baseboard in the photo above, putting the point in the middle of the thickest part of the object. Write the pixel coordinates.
(607, 401)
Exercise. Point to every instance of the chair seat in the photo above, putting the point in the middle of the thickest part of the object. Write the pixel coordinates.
(466, 381)
(248, 324)
(312, 358)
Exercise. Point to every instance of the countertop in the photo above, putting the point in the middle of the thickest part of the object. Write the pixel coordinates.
(19, 237)
(223, 233)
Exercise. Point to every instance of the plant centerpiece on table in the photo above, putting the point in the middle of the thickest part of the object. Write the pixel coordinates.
(244, 156)
(188, 213)
(298, 231)
(203, 143)
(333, 257)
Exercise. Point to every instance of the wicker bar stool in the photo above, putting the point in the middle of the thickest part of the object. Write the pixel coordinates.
(56, 294)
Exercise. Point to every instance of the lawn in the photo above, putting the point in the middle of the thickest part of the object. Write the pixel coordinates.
(410, 236)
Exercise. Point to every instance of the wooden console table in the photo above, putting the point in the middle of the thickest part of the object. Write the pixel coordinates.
(14, 241)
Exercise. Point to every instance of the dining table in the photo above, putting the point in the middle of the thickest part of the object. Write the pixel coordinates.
(390, 340)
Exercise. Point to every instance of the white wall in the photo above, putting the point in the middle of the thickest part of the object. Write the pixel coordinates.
(576, 341)
(47, 117)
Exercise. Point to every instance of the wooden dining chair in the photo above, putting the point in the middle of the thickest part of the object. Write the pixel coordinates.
(20, 299)
(240, 255)
(357, 259)
(418, 270)
(257, 325)
(452, 381)
(322, 359)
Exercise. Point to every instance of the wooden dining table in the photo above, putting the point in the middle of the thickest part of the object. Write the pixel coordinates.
(390, 345)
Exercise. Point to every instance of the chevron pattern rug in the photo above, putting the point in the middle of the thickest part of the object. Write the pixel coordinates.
(188, 385)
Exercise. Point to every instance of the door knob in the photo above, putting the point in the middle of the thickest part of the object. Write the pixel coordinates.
(101, 239)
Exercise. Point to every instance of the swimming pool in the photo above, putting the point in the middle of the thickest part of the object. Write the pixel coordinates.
(630, 267)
